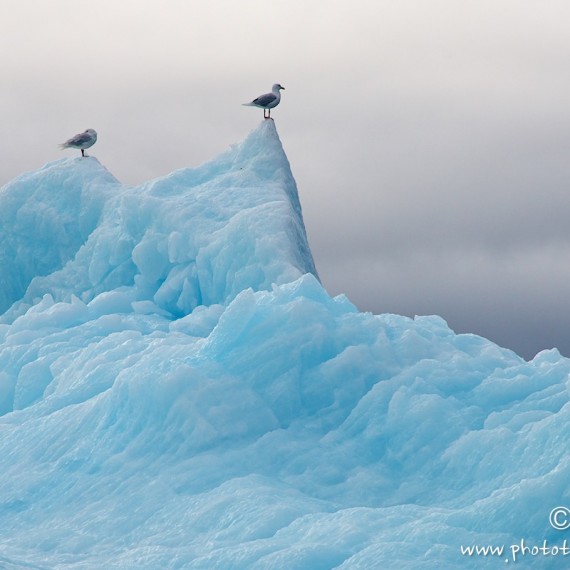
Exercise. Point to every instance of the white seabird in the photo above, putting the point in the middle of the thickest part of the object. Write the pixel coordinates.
(81, 141)
(267, 101)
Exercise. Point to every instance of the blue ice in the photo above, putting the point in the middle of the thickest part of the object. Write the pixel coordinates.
(178, 390)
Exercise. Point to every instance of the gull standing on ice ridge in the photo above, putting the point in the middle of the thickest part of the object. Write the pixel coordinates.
(81, 141)
(267, 101)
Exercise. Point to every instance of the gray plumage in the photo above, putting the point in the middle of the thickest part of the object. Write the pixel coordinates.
(264, 100)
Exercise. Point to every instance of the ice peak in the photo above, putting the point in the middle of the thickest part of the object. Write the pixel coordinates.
(197, 236)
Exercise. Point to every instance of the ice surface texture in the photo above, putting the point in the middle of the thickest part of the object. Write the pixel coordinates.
(178, 390)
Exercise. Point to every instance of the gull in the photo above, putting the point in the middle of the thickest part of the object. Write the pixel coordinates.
(267, 101)
(81, 141)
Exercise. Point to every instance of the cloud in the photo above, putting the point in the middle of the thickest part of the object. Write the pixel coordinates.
(429, 140)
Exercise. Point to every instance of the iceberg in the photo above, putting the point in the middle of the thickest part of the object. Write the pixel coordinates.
(178, 390)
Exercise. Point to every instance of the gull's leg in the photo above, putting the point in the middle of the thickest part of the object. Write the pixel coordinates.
(82, 152)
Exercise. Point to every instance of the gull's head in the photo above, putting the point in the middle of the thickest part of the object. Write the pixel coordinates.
(277, 87)
(91, 132)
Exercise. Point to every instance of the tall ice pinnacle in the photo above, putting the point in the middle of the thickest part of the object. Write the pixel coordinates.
(195, 237)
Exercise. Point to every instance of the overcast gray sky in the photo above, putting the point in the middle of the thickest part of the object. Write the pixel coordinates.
(429, 138)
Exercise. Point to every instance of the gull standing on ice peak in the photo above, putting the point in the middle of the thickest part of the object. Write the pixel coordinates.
(81, 141)
(267, 101)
